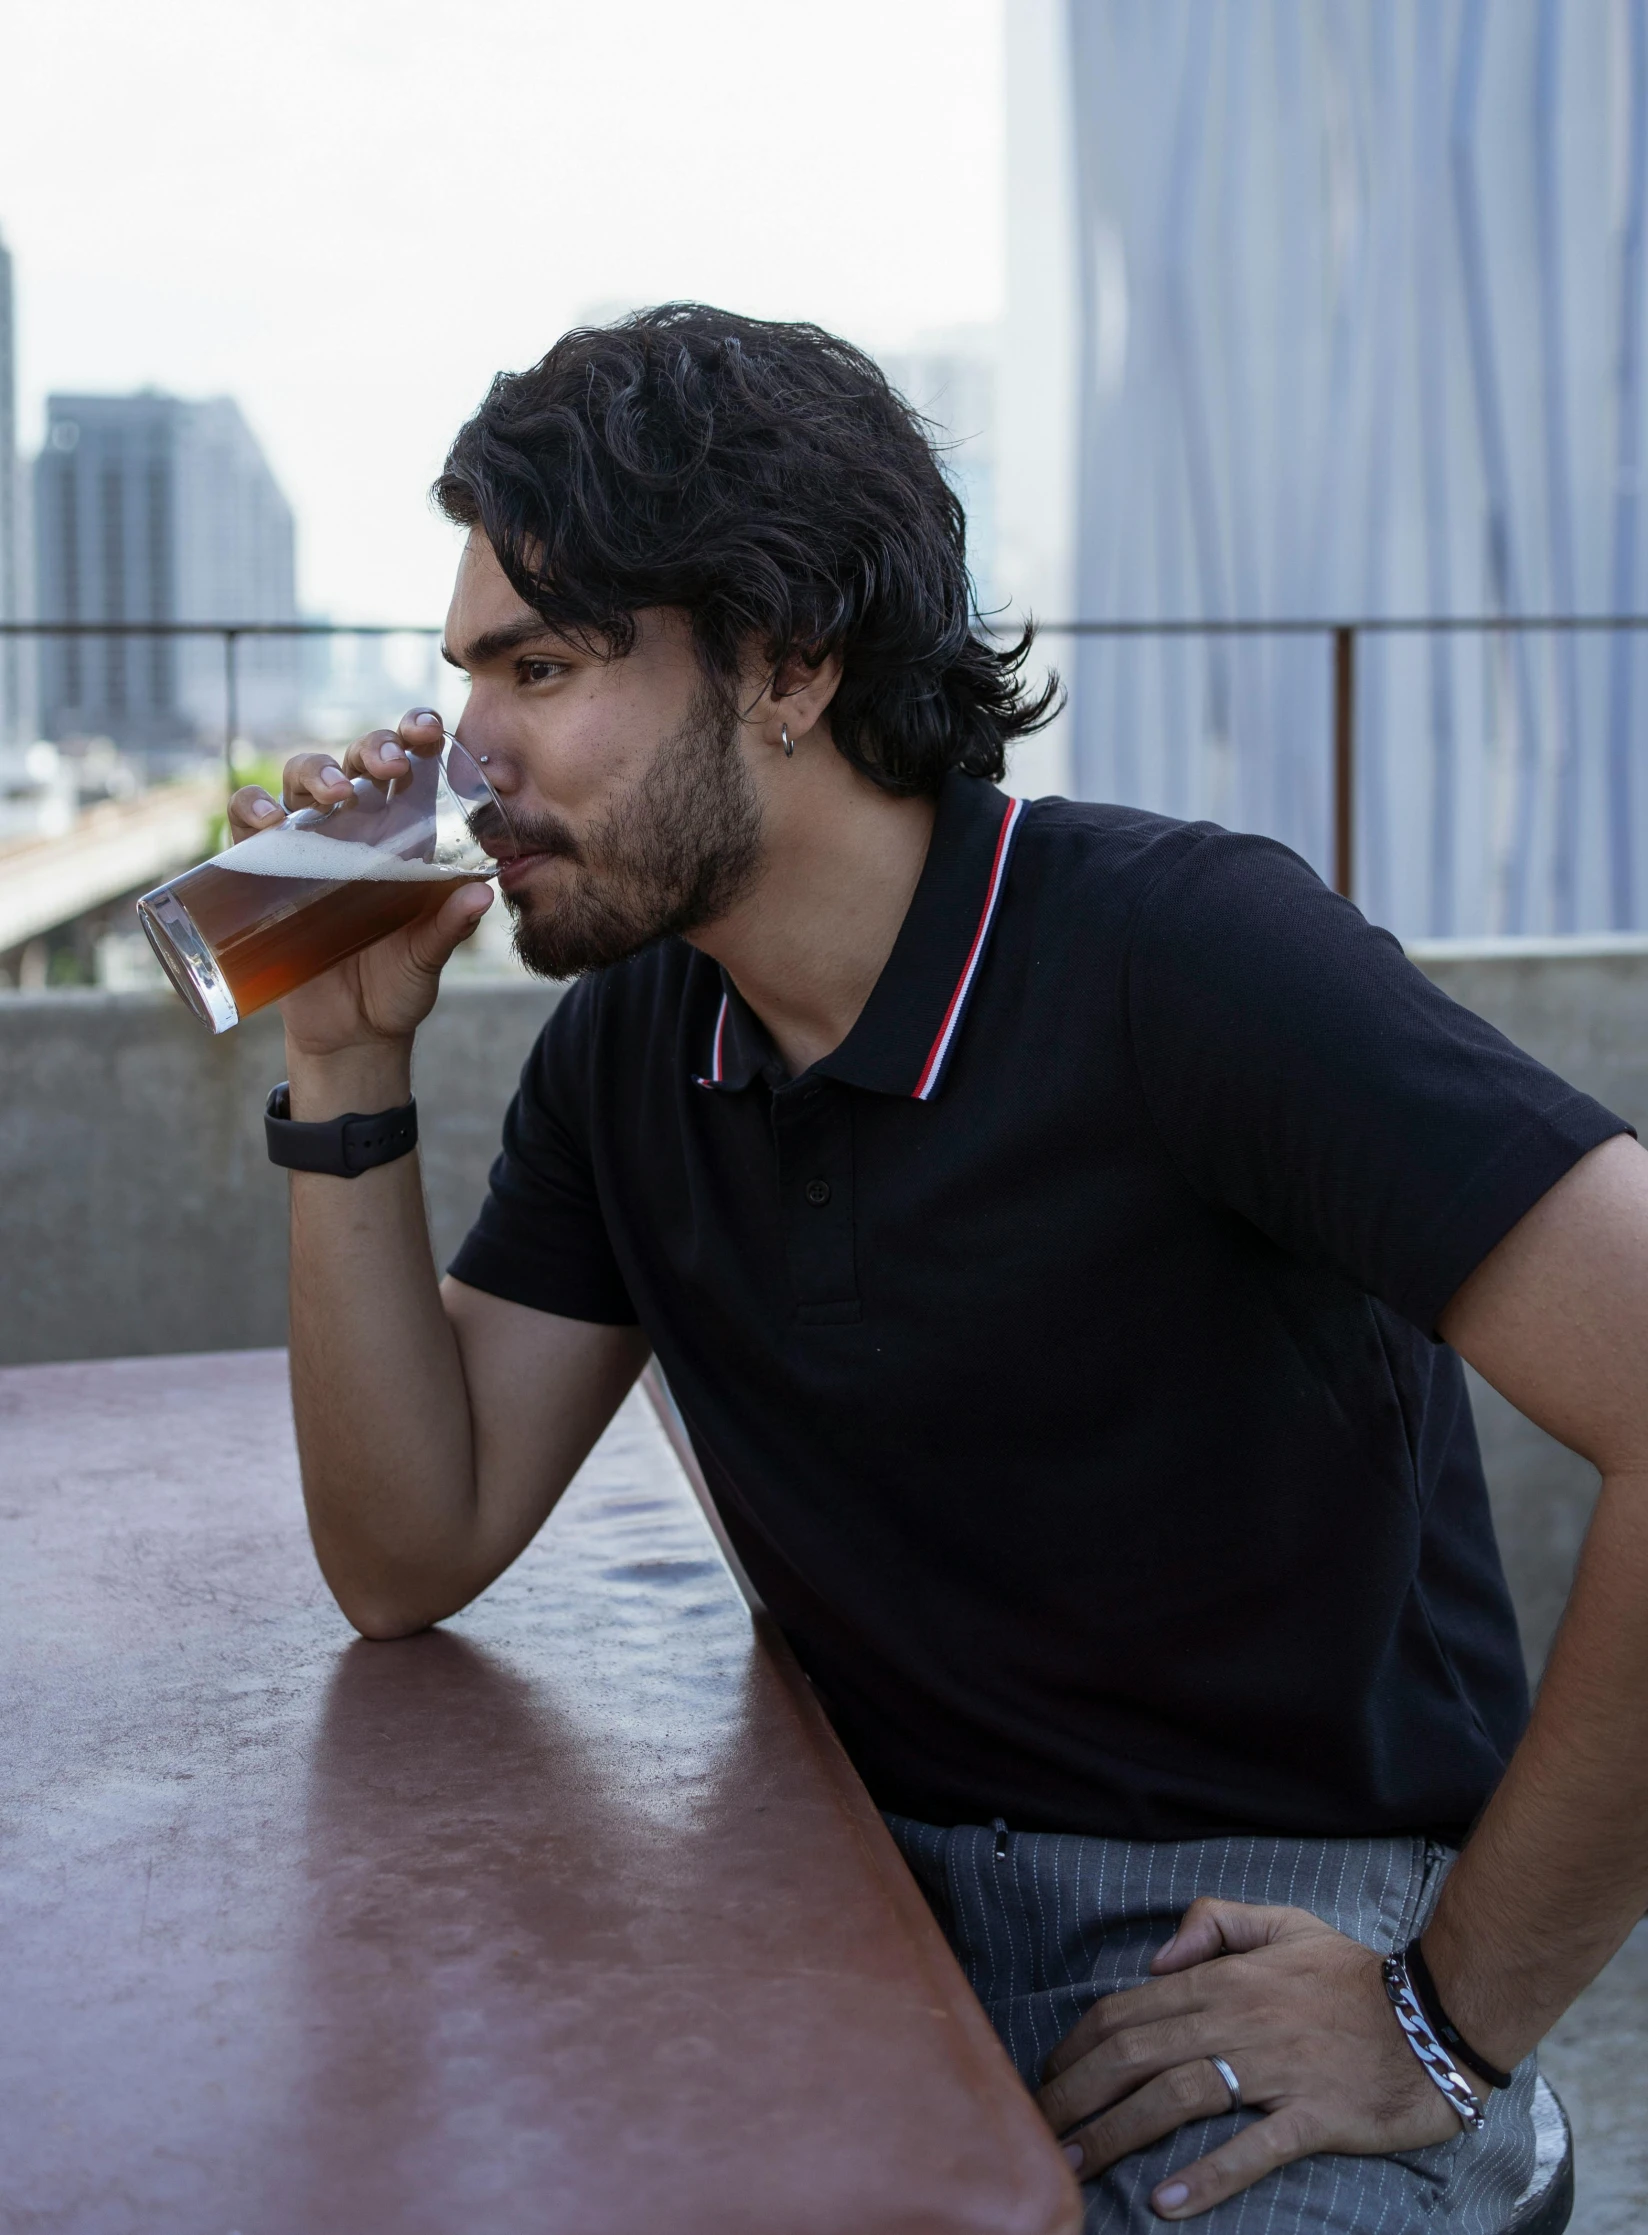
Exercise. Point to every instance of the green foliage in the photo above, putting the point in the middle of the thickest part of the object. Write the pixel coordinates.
(64, 967)
(266, 770)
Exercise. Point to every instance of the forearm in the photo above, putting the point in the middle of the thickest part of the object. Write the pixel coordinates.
(1556, 1872)
(379, 1396)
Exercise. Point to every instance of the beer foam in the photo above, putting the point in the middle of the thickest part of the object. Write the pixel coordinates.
(334, 861)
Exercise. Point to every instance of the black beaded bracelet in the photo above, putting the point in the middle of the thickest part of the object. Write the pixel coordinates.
(1424, 1987)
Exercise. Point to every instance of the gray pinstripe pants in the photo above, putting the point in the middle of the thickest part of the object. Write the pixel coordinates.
(1054, 1921)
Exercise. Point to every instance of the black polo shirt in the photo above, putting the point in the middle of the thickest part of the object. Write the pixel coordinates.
(1060, 1350)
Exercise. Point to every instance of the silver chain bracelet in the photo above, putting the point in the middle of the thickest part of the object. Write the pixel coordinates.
(1422, 2040)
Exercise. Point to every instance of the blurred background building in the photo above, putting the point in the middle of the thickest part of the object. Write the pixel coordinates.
(1337, 310)
(149, 508)
(12, 711)
(952, 377)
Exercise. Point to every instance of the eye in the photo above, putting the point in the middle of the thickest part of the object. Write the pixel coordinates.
(540, 671)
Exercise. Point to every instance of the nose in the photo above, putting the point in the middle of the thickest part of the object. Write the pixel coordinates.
(501, 772)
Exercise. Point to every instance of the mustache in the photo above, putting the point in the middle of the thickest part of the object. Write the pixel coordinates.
(522, 834)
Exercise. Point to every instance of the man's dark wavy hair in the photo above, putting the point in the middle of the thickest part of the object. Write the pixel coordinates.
(767, 479)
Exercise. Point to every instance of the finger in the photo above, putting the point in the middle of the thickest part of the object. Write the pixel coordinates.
(1120, 2066)
(422, 730)
(433, 940)
(1258, 2149)
(251, 809)
(379, 754)
(1219, 1928)
(314, 780)
(1162, 2106)
(1115, 2013)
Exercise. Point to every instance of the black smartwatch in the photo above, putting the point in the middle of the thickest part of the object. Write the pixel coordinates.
(344, 1146)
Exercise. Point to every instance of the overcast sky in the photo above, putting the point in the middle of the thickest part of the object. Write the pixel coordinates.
(349, 213)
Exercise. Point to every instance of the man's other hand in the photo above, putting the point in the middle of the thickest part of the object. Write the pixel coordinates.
(1298, 2012)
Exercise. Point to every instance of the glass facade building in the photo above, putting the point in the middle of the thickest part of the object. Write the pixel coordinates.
(12, 707)
(150, 508)
(1360, 314)
(951, 379)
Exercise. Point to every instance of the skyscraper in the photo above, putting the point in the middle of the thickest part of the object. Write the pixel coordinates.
(11, 651)
(148, 508)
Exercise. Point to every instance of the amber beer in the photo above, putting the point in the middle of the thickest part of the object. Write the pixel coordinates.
(269, 933)
(274, 911)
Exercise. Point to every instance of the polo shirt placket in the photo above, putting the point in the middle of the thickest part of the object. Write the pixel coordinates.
(812, 1127)
(932, 971)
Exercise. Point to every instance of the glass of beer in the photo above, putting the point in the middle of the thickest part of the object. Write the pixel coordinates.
(244, 928)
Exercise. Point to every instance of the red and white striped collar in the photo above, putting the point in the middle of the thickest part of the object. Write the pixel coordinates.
(906, 1037)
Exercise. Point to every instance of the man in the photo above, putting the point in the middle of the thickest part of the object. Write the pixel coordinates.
(1060, 1228)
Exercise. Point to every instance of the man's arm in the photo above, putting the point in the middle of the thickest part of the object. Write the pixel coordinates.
(436, 1425)
(1556, 1873)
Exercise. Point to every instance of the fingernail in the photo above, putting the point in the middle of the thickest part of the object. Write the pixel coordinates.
(427, 718)
(264, 808)
(1172, 2196)
(331, 775)
(391, 752)
(1073, 2156)
(1167, 1944)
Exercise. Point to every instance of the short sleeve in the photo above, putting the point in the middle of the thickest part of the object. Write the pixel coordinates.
(540, 1238)
(1303, 1073)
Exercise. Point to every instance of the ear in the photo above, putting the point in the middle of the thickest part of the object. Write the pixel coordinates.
(799, 695)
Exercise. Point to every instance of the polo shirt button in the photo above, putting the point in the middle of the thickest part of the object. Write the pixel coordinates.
(818, 1191)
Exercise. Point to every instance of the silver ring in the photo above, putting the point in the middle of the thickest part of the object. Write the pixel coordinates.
(1230, 2080)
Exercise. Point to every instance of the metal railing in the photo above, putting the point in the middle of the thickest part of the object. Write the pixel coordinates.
(230, 633)
(1340, 634)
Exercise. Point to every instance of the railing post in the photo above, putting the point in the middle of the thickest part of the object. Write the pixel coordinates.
(231, 704)
(1344, 760)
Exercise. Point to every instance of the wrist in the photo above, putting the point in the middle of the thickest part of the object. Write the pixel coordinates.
(375, 1075)
(1464, 2098)
(1481, 2044)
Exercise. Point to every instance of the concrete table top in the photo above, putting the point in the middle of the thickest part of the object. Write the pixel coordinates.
(568, 1917)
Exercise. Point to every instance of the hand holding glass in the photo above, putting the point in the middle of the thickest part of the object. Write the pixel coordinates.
(276, 910)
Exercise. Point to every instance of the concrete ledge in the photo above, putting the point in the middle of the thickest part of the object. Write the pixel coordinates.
(139, 1214)
(1579, 946)
(1580, 1005)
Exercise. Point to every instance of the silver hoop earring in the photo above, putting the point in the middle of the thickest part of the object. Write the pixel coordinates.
(787, 741)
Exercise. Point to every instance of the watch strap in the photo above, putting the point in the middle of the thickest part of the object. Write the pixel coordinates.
(343, 1147)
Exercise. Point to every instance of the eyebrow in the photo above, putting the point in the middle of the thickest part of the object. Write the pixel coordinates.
(495, 642)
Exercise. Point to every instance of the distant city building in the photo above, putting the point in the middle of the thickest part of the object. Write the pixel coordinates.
(1328, 310)
(12, 662)
(951, 380)
(355, 683)
(148, 508)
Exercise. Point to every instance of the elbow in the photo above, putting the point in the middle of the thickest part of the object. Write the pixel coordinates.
(385, 1599)
(382, 1624)
(382, 1610)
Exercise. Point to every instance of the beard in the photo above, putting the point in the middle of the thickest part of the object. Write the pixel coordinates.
(674, 853)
